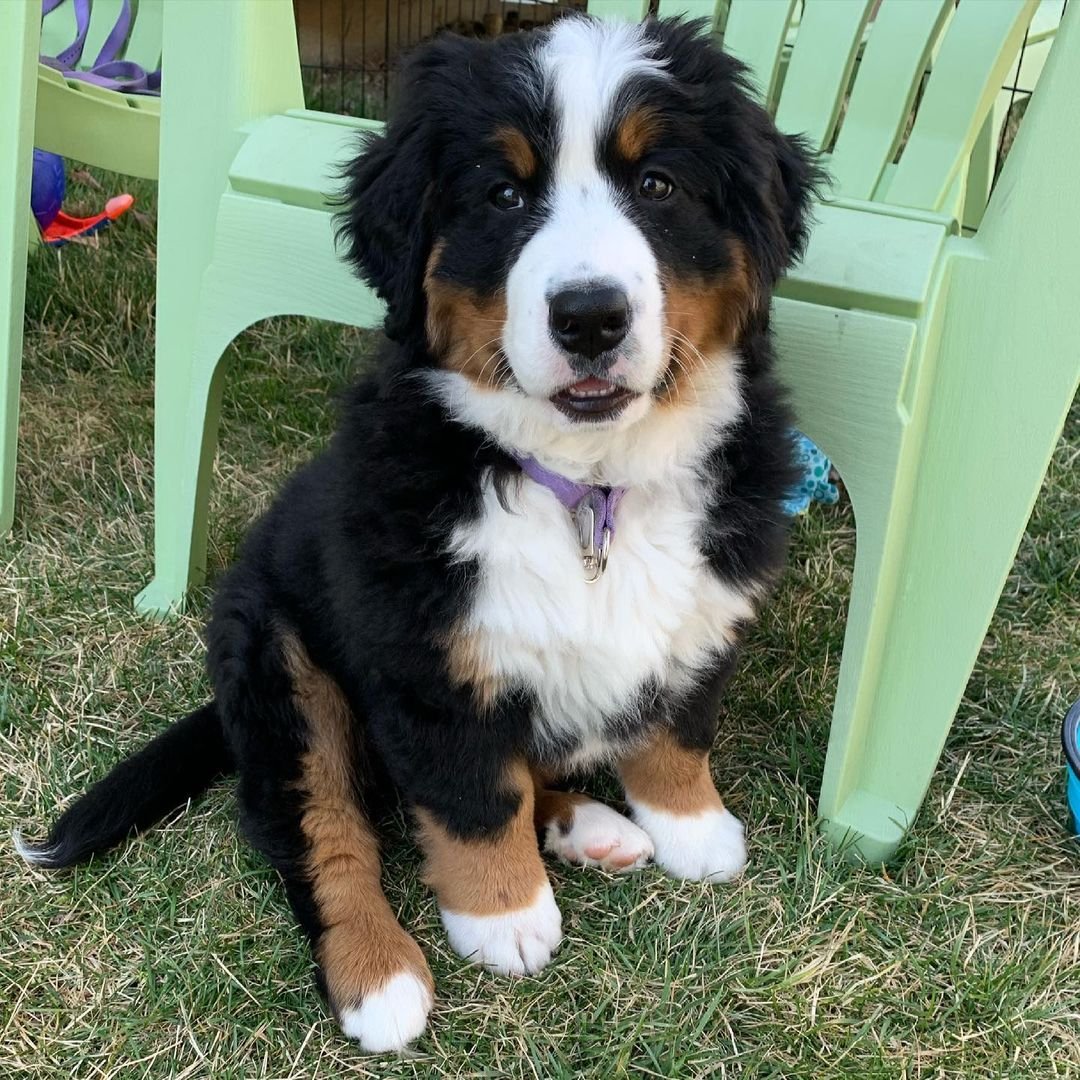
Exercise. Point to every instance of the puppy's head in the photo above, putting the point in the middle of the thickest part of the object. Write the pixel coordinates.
(580, 222)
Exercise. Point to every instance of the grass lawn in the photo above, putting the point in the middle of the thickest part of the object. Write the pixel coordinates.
(178, 957)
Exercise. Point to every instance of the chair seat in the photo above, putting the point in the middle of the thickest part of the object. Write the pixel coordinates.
(97, 126)
(861, 256)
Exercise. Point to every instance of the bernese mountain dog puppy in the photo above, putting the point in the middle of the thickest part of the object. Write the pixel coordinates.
(545, 521)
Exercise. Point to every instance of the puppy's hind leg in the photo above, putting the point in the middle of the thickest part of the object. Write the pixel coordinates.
(312, 826)
(584, 832)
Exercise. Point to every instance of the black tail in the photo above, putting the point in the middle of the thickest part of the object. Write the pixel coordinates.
(181, 762)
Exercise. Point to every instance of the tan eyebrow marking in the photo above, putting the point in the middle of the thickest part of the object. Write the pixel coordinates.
(640, 128)
(519, 153)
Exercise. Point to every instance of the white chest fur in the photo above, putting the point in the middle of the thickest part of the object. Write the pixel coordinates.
(587, 650)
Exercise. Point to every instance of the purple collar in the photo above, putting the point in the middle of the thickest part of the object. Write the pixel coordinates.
(593, 508)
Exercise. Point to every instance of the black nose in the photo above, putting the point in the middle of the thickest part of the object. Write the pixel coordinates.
(589, 320)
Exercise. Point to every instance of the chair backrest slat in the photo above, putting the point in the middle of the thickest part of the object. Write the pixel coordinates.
(820, 67)
(634, 10)
(103, 16)
(755, 33)
(980, 43)
(144, 45)
(692, 9)
(893, 63)
(58, 30)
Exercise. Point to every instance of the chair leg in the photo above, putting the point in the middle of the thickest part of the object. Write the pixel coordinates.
(942, 563)
(18, 88)
(185, 440)
(1006, 368)
(247, 68)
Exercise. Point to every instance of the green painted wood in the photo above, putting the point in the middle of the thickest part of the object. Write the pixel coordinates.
(619, 9)
(103, 16)
(894, 59)
(846, 371)
(754, 33)
(980, 173)
(820, 67)
(99, 127)
(692, 9)
(18, 70)
(89, 123)
(57, 29)
(873, 261)
(1001, 366)
(77, 120)
(296, 160)
(217, 86)
(144, 42)
(981, 41)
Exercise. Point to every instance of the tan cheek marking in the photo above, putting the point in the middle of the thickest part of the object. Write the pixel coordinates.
(637, 132)
(464, 330)
(519, 153)
(703, 318)
(362, 946)
(491, 876)
(666, 776)
(468, 665)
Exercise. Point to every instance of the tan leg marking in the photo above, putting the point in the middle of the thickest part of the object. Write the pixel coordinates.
(362, 946)
(556, 807)
(671, 793)
(495, 899)
(667, 776)
(489, 876)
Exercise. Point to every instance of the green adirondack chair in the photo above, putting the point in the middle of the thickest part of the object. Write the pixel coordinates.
(69, 117)
(923, 362)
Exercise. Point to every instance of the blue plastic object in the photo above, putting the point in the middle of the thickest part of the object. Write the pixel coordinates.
(814, 484)
(47, 187)
(1070, 740)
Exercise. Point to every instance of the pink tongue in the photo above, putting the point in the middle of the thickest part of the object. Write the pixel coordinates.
(593, 383)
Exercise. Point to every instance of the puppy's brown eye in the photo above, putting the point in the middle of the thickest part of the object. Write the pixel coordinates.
(506, 197)
(654, 186)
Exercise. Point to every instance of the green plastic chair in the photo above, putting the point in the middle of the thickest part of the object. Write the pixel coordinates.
(69, 117)
(935, 370)
(924, 363)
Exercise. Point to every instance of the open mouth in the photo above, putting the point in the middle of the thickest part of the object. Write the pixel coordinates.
(592, 399)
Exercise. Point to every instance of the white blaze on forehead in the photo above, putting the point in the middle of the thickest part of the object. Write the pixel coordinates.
(585, 65)
(587, 234)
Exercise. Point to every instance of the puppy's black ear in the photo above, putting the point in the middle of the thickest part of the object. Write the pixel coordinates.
(796, 181)
(385, 225)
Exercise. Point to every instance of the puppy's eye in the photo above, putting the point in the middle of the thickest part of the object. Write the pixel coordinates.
(506, 197)
(657, 187)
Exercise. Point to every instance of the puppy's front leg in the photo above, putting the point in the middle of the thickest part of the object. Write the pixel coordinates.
(494, 895)
(672, 797)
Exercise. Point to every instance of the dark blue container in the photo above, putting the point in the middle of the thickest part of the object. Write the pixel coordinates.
(1070, 739)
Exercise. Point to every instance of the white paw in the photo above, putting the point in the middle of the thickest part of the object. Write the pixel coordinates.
(698, 847)
(599, 836)
(513, 943)
(391, 1017)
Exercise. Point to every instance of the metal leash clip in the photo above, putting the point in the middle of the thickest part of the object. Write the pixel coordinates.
(593, 558)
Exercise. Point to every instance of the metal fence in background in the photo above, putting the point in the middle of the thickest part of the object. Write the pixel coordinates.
(349, 48)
